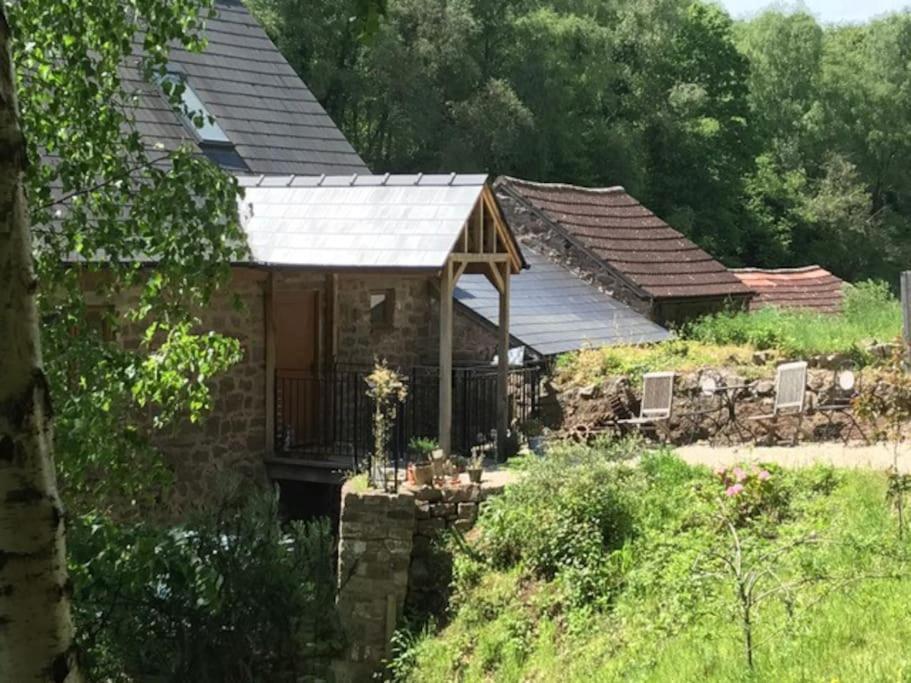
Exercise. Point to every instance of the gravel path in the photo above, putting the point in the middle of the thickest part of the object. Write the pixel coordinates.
(877, 457)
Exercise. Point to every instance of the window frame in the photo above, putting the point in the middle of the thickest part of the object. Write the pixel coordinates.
(388, 316)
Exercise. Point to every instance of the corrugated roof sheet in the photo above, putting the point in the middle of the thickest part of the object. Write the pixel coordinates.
(632, 240)
(553, 311)
(357, 221)
(810, 287)
(274, 121)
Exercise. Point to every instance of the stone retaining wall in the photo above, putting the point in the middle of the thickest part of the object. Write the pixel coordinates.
(389, 562)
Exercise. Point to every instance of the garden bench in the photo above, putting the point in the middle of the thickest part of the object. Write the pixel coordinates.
(790, 399)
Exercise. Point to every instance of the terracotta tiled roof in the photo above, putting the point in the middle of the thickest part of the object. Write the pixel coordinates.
(632, 240)
(810, 287)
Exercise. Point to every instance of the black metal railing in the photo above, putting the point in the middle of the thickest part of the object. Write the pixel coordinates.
(328, 413)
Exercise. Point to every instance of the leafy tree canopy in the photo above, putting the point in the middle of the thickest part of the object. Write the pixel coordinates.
(100, 198)
(771, 142)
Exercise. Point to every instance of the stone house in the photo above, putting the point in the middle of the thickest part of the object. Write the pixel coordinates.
(611, 240)
(345, 267)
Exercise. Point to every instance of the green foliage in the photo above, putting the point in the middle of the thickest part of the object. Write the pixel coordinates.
(682, 355)
(775, 141)
(661, 609)
(229, 597)
(870, 314)
(100, 197)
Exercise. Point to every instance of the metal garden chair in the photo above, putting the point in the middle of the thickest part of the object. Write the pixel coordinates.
(790, 399)
(841, 402)
(657, 402)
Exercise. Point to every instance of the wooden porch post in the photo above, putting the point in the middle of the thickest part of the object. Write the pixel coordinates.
(445, 402)
(503, 366)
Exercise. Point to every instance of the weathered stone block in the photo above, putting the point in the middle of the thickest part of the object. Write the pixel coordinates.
(429, 527)
(468, 511)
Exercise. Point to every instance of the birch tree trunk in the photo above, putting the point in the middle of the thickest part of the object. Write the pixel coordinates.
(36, 631)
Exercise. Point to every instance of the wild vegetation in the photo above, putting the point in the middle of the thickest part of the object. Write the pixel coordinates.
(870, 315)
(772, 142)
(232, 595)
(594, 567)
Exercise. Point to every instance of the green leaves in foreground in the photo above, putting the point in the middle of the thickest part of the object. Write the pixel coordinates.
(131, 241)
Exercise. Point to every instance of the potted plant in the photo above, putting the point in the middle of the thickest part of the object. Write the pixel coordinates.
(475, 465)
(534, 433)
(420, 449)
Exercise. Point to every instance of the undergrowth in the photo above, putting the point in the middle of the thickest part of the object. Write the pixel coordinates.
(870, 314)
(596, 567)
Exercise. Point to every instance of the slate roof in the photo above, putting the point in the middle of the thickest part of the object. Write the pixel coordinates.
(276, 124)
(383, 222)
(810, 287)
(553, 311)
(643, 249)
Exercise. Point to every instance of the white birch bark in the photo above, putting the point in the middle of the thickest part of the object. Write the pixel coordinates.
(36, 631)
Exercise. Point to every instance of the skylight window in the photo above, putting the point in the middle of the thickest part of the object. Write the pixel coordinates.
(193, 112)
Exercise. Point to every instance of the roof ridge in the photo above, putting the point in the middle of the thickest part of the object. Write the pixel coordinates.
(561, 186)
(771, 271)
(362, 180)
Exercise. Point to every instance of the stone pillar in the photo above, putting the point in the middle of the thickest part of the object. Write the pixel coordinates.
(375, 542)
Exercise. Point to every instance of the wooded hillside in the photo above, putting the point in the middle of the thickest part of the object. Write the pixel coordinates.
(772, 142)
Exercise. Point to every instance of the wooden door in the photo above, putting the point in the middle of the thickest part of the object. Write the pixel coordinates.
(297, 334)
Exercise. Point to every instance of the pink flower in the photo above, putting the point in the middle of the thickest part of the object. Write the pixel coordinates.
(732, 491)
(720, 472)
(764, 475)
(739, 474)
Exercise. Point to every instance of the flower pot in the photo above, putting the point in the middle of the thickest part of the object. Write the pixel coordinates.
(423, 474)
(474, 474)
(439, 466)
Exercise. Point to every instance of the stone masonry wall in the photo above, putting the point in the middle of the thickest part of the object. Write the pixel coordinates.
(231, 438)
(531, 229)
(374, 554)
(390, 562)
(413, 337)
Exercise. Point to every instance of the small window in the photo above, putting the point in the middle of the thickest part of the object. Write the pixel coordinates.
(382, 308)
(192, 111)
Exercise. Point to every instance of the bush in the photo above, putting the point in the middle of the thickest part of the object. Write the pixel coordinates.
(230, 597)
(869, 313)
(567, 519)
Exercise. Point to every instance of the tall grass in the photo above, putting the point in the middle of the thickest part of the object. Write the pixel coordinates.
(646, 611)
(870, 314)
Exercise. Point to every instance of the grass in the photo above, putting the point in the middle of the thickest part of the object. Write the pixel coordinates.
(591, 366)
(647, 613)
(870, 314)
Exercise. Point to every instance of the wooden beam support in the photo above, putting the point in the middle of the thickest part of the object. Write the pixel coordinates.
(495, 277)
(503, 365)
(269, 332)
(461, 257)
(490, 233)
(479, 228)
(445, 401)
(459, 271)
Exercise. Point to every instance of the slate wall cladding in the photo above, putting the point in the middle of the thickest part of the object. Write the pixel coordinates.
(388, 562)
(533, 230)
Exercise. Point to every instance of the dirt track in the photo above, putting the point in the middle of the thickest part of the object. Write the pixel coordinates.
(877, 457)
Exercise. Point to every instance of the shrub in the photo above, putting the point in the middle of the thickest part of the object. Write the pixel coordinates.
(869, 313)
(230, 597)
(566, 517)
